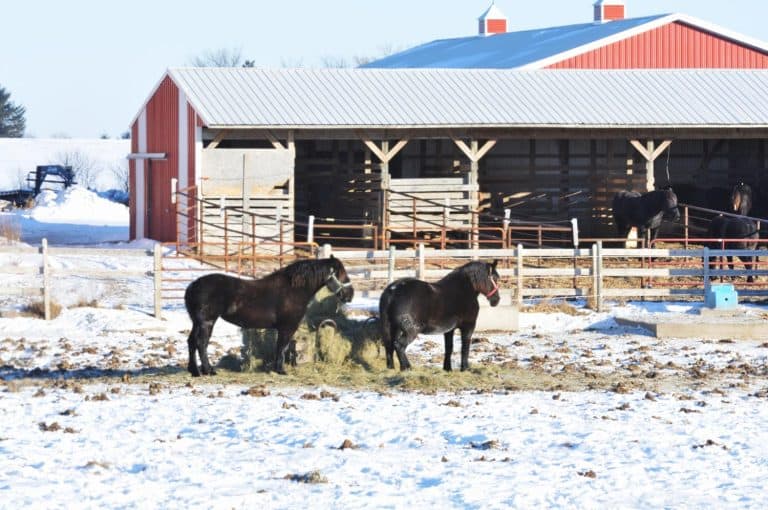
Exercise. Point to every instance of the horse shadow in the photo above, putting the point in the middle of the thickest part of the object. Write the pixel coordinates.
(9, 373)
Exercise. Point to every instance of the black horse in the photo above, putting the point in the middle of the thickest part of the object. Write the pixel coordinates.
(279, 301)
(741, 199)
(409, 306)
(645, 211)
(738, 199)
(730, 227)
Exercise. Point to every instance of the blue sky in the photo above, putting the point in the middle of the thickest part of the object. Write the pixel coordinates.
(84, 68)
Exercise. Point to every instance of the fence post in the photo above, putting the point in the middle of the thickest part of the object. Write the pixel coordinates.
(157, 275)
(311, 229)
(599, 288)
(593, 251)
(519, 275)
(505, 228)
(705, 259)
(420, 269)
(326, 251)
(391, 265)
(46, 282)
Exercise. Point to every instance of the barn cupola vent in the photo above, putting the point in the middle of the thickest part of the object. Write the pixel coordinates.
(608, 10)
(492, 21)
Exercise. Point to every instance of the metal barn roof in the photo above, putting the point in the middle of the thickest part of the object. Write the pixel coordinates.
(535, 49)
(421, 98)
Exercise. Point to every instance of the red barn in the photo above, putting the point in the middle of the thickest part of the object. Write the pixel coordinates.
(347, 144)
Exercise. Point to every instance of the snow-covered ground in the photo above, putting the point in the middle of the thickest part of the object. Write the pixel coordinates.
(684, 427)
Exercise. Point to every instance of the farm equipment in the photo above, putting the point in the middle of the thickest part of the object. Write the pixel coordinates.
(43, 174)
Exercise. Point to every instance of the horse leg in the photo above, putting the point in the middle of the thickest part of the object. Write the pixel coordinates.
(202, 347)
(389, 345)
(284, 338)
(192, 344)
(748, 265)
(466, 341)
(401, 341)
(448, 335)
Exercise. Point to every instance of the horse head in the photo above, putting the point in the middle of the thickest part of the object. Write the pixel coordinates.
(741, 198)
(669, 205)
(338, 280)
(485, 278)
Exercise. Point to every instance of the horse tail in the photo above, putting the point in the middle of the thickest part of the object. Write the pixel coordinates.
(384, 301)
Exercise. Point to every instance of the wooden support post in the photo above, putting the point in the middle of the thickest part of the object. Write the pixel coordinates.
(595, 275)
(650, 152)
(391, 265)
(599, 288)
(157, 277)
(705, 259)
(519, 275)
(311, 229)
(422, 265)
(46, 282)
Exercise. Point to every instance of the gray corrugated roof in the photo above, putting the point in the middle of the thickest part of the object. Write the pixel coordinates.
(351, 98)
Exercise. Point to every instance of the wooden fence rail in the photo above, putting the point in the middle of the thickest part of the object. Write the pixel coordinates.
(39, 273)
(595, 273)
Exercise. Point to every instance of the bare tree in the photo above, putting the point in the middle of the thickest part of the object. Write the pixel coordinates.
(86, 171)
(223, 57)
(120, 173)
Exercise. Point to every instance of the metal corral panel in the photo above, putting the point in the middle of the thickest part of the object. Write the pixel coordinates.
(671, 46)
(403, 98)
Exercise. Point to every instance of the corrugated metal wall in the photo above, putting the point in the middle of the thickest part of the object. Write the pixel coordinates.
(675, 45)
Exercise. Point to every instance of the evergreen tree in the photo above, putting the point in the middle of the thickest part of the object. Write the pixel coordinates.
(12, 120)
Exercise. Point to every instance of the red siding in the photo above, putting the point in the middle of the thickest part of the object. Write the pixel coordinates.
(671, 46)
(613, 12)
(162, 136)
(191, 126)
(497, 26)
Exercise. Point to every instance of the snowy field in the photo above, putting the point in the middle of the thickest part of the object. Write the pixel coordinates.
(97, 412)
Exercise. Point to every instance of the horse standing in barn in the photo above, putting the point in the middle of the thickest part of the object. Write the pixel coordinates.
(644, 211)
(743, 230)
(741, 199)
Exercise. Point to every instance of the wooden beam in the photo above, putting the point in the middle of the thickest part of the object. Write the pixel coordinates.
(464, 148)
(487, 146)
(274, 141)
(217, 140)
(376, 150)
(473, 153)
(661, 148)
(650, 153)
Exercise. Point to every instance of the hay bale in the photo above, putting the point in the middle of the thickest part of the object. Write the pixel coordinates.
(325, 335)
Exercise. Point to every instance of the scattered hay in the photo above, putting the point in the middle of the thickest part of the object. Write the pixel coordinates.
(548, 306)
(10, 230)
(326, 335)
(311, 477)
(37, 309)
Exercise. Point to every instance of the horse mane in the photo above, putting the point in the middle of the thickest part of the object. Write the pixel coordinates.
(476, 271)
(306, 273)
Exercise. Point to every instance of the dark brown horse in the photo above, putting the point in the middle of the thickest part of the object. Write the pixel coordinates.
(279, 301)
(409, 306)
(645, 211)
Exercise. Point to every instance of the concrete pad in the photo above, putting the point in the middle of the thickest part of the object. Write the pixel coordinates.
(709, 324)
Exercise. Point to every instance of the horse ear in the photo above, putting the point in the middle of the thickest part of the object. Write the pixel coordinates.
(495, 262)
(332, 257)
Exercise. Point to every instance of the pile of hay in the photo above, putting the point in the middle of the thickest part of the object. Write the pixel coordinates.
(325, 335)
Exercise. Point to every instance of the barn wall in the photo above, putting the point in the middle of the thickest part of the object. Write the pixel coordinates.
(162, 136)
(674, 45)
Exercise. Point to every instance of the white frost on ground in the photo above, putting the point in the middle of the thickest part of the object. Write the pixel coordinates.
(203, 445)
